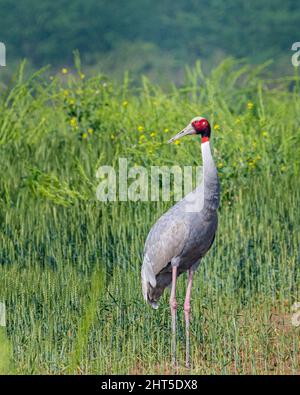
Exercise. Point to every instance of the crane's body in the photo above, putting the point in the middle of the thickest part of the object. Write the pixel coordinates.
(181, 237)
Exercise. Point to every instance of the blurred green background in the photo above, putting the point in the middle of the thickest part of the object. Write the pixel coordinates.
(156, 38)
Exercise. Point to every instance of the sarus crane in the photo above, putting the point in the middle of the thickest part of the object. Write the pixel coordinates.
(182, 236)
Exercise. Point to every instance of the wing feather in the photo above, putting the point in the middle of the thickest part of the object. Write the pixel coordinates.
(165, 242)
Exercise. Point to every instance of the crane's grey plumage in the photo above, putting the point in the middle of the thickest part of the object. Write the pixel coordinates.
(183, 235)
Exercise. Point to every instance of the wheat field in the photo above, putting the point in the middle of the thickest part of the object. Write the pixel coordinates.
(70, 264)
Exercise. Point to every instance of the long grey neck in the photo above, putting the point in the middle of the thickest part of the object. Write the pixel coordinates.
(210, 178)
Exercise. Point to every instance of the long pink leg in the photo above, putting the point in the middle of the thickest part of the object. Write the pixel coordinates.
(187, 310)
(173, 307)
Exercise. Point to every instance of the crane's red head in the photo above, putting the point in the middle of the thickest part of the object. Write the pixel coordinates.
(201, 126)
(198, 125)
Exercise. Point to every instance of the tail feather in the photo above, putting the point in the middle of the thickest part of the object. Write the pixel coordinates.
(148, 281)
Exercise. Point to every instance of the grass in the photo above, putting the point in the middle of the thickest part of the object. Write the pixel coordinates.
(70, 265)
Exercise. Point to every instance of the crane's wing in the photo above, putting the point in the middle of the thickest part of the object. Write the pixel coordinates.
(165, 241)
(168, 237)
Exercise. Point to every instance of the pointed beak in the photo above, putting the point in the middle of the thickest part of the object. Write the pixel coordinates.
(186, 131)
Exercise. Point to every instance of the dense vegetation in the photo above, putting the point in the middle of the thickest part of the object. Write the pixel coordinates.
(70, 265)
(147, 35)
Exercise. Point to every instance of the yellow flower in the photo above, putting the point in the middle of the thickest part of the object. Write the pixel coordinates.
(216, 126)
(142, 137)
(84, 136)
(141, 128)
(66, 93)
(90, 130)
(166, 130)
(238, 120)
(64, 70)
(125, 103)
(73, 122)
(265, 134)
(72, 102)
(177, 142)
(153, 134)
(250, 105)
(81, 75)
(220, 165)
